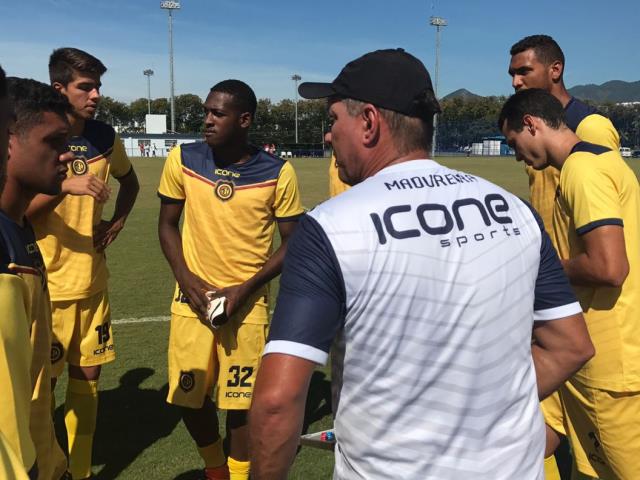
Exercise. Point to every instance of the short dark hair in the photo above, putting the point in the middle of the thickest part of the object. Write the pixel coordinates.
(3, 84)
(64, 62)
(546, 48)
(408, 133)
(243, 96)
(532, 101)
(30, 99)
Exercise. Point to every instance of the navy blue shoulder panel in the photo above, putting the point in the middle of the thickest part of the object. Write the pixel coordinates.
(199, 158)
(590, 148)
(576, 111)
(98, 136)
(5, 257)
(261, 167)
(19, 244)
(311, 304)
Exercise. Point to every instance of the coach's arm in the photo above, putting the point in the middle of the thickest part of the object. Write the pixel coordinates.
(277, 414)
(561, 340)
(561, 347)
(604, 261)
(309, 312)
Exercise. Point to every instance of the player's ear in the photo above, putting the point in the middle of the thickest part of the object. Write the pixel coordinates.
(371, 118)
(11, 145)
(58, 86)
(556, 69)
(245, 120)
(529, 123)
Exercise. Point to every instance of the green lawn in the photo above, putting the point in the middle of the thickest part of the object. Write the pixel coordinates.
(138, 435)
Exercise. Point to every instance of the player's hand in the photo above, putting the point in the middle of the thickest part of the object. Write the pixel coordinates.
(236, 296)
(106, 232)
(87, 184)
(195, 289)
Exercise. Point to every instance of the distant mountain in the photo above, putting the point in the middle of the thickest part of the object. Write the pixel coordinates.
(615, 91)
(461, 93)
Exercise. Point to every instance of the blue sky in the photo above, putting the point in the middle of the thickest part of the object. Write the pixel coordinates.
(265, 42)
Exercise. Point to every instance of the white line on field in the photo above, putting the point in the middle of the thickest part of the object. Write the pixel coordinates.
(163, 318)
(141, 320)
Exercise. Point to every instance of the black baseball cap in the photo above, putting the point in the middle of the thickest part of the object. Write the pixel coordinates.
(392, 79)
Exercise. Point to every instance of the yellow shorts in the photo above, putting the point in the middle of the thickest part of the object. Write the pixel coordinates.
(603, 428)
(82, 333)
(553, 413)
(201, 358)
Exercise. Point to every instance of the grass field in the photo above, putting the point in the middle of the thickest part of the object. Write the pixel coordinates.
(138, 435)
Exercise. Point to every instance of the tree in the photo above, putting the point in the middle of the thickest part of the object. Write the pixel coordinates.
(313, 121)
(263, 129)
(139, 109)
(626, 119)
(464, 121)
(114, 113)
(161, 106)
(189, 115)
(283, 118)
(275, 123)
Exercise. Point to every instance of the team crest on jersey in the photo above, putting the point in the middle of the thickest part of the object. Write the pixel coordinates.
(79, 166)
(56, 352)
(224, 190)
(187, 381)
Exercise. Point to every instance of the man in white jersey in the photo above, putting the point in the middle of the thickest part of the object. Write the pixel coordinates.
(436, 280)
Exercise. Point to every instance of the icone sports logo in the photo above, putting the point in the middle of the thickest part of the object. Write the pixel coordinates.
(226, 173)
(237, 395)
(437, 219)
(101, 350)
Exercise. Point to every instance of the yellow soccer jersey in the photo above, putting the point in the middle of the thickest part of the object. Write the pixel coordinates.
(10, 464)
(65, 236)
(590, 127)
(17, 271)
(23, 259)
(336, 186)
(598, 188)
(229, 213)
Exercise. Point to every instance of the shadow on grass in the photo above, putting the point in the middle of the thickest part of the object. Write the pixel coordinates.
(130, 419)
(190, 475)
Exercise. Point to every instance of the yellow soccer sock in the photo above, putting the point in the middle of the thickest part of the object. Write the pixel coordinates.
(238, 470)
(213, 455)
(551, 469)
(80, 412)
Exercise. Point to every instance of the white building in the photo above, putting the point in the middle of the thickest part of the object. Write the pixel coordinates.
(154, 144)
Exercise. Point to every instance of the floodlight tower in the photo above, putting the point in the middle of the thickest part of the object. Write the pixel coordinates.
(439, 23)
(170, 6)
(148, 72)
(296, 78)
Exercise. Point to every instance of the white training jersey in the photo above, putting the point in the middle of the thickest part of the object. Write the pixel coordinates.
(433, 278)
